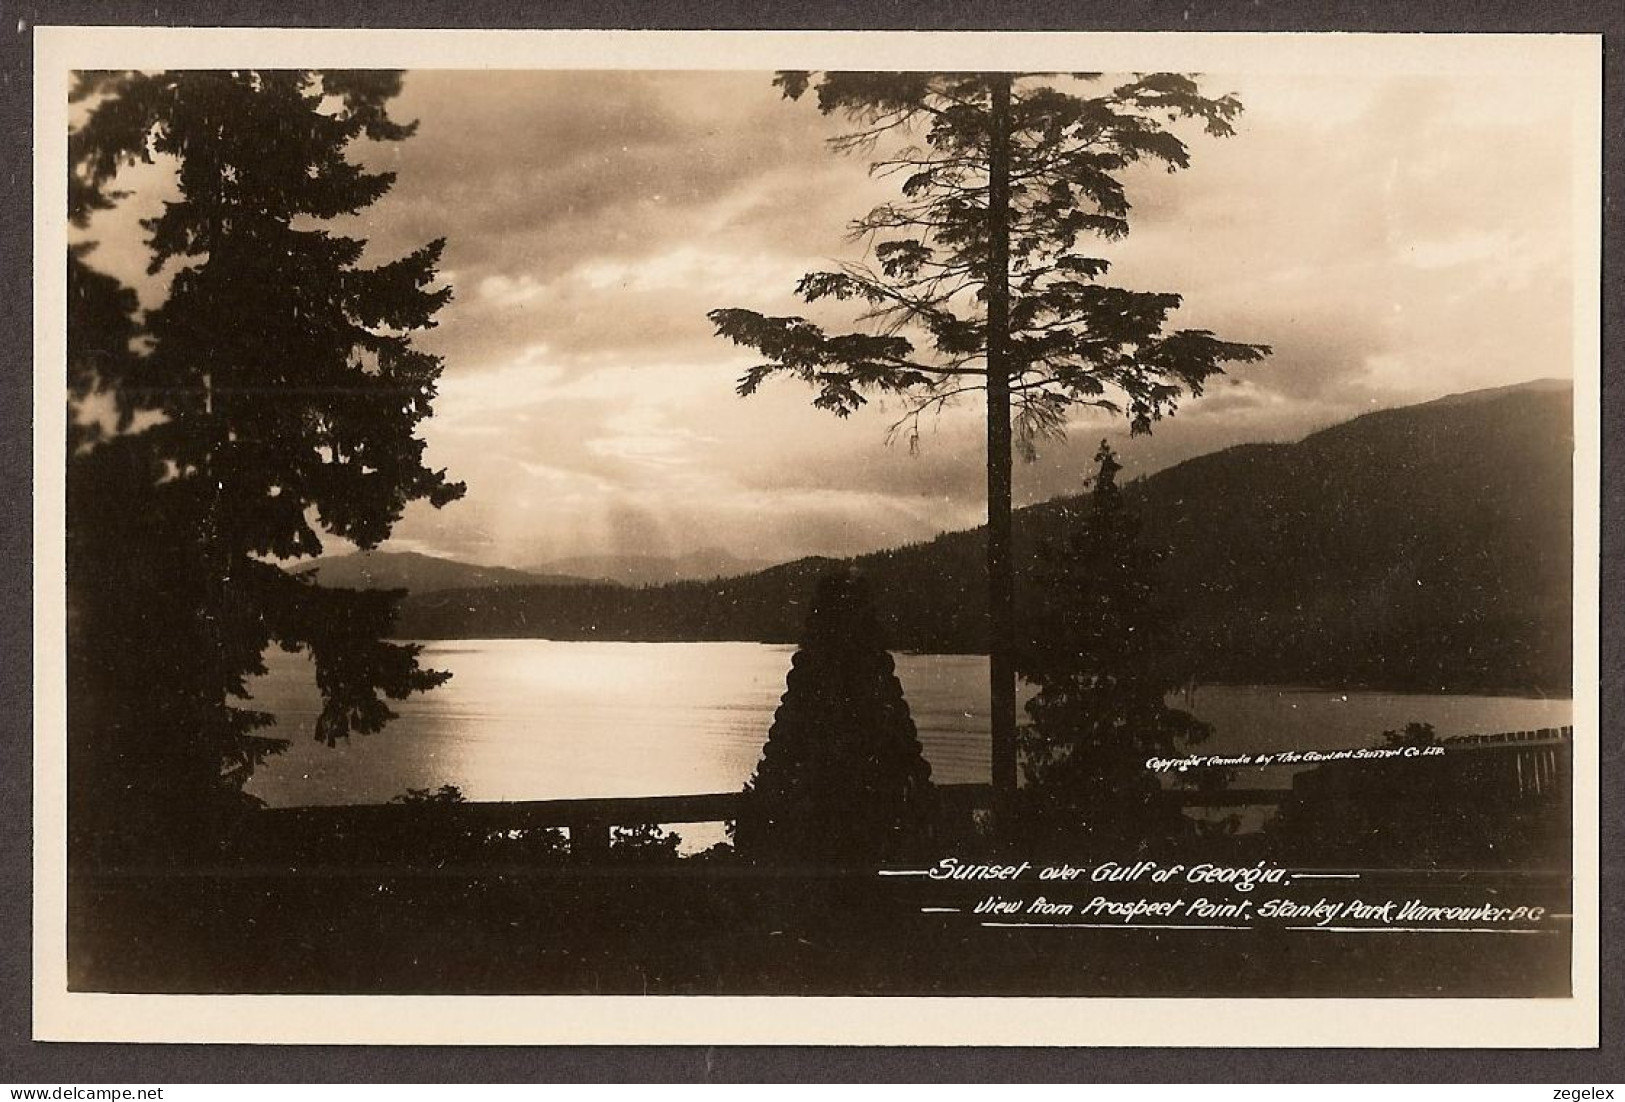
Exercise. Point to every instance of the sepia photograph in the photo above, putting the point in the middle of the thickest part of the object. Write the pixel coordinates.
(641, 516)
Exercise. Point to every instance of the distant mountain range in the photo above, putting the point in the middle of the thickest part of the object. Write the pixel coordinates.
(706, 563)
(423, 573)
(1425, 548)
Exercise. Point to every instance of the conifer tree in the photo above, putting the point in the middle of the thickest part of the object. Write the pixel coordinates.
(1098, 649)
(977, 282)
(842, 779)
(283, 393)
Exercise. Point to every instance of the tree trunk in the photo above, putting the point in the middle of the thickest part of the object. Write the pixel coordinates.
(1000, 568)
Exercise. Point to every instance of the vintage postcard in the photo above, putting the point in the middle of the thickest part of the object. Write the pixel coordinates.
(757, 537)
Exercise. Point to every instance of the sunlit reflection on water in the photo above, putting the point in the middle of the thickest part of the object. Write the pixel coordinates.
(532, 719)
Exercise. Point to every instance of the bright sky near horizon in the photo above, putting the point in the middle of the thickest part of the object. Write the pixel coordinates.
(1394, 238)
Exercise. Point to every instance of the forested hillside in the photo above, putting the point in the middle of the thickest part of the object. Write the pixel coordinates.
(1426, 548)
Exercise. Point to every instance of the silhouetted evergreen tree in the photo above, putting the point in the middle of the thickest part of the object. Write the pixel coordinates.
(283, 395)
(132, 616)
(977, 283)
(842, 779)
(1099, 651)
(101, 328)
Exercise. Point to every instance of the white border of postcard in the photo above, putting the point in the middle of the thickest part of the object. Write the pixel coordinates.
(1575, 60)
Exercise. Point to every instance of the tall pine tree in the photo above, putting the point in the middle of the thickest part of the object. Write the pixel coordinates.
(283, 394)
(977, 283)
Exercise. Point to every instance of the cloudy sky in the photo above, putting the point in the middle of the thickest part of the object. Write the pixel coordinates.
(1393, 238)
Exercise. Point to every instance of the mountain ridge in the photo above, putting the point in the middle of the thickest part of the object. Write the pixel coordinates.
(420, 573)
(702, 564)
(1421, 547)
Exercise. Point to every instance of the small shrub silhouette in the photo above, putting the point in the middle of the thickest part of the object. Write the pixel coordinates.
(643, 843)
(842, 779)
(445, 794)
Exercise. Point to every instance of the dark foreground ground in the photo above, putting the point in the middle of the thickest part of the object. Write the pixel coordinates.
(696, 929)
(442, 897)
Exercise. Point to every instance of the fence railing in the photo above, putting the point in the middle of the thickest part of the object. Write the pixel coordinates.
(591, 821)
(1541, 736)
(1529, 763)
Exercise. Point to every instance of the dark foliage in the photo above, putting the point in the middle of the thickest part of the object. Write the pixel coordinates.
(445, 794)
(935, 252)
(101, 329)
(1098, 650)
(842, 780)
(276, 392)
(1412, 734)
(644, 843)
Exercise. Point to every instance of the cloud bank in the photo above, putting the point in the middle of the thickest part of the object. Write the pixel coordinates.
(1393, 239)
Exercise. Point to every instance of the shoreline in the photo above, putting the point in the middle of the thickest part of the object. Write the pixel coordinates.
(1514, 692)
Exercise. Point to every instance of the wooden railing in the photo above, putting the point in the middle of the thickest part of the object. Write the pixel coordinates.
(1530, 763)
(1543, 736)
(591, 821)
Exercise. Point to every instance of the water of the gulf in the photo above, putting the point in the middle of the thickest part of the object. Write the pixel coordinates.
(533, 719)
